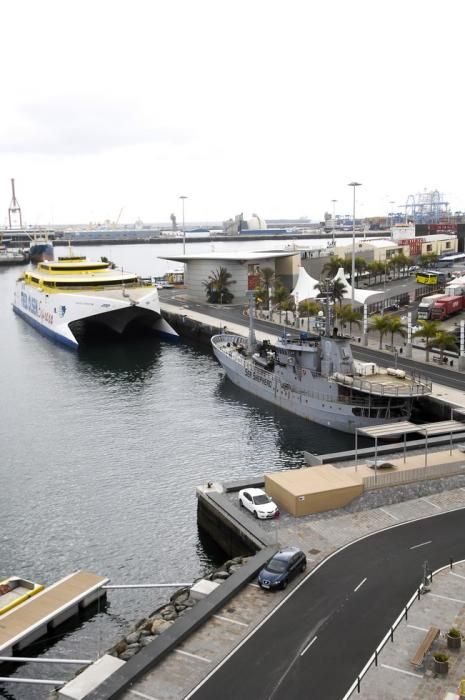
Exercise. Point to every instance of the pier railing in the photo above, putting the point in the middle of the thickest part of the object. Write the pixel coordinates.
(435, 471)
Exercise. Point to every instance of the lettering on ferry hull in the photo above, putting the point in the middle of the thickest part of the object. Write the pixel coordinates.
(30, 303)
(258, 377)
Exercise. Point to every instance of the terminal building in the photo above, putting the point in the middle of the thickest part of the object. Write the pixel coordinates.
(244, 269)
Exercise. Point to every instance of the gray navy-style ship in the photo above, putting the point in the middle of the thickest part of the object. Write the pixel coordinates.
(316, 377)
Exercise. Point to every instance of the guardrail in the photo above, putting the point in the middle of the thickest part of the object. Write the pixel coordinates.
(390, 634)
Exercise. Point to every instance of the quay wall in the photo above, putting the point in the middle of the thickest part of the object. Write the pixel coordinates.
(235, 534)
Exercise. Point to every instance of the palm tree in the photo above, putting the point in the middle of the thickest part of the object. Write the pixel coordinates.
(346, 314)
(280, 295)
(261, 295)
(286, 306)
(337, 290)
(308, 308)
(444, 341)
(428, 331)
(375, 268)
(381, 325)
(333, 265)
(428, 259)
(394, 326)
(360, 266)
(267, 281)
(217, 286)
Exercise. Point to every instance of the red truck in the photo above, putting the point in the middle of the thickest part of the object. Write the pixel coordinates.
(445, 307)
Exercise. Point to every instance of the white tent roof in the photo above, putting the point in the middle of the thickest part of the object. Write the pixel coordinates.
(305, 287)
(360, 295)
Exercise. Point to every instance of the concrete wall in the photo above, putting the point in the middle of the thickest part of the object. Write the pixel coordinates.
(299, 504)
(198, 271)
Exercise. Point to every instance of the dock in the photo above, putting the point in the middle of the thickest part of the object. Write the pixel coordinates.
(47, 610)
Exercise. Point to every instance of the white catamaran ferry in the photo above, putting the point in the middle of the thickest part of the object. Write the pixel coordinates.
(316, 377)
(72, 297)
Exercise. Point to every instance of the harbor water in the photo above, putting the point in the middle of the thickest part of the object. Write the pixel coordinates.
(102, 450)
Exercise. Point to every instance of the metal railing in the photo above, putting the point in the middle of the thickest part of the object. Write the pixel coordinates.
(436, 471)
(390, 634)
(300, 396)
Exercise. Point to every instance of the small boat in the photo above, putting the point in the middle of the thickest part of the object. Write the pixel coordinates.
(15, 590)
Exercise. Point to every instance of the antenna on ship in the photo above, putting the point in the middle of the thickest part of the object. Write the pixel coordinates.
(252, 343)
(327, 289)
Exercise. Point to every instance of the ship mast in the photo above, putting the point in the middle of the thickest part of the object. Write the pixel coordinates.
(327, 287)
(252, 342)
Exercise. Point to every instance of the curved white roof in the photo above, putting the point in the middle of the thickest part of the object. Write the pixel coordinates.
(360, 295)
(306, 288)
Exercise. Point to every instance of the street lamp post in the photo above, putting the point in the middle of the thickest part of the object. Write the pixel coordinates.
(182, 198)
(353, 185)
(334, 216)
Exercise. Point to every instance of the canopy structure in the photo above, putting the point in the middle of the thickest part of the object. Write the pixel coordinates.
(306, 287)
(404, 427)
(360, 295)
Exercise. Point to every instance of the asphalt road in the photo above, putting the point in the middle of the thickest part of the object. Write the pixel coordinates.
(315, 643)
(232, 314)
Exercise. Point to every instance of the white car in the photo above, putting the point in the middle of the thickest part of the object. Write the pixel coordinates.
(258, 503)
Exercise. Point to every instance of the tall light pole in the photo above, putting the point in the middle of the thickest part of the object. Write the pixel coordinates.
(334, 214)
(182, 198)
(392, 202)
(354, 185)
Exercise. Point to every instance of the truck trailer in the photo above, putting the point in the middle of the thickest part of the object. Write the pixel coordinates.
(426, 305)
(445, 307)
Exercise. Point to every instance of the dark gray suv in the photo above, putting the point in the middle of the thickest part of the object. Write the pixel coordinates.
(285, 564)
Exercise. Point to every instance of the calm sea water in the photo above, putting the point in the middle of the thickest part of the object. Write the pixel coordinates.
(101, 451)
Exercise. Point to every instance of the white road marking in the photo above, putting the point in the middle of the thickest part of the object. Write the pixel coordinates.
(360, 585)
(401, 670)
(452, 573)
(193, 656)
(394, 517)
(431, 504)
(444, 597)
(422, 629)
(422, 544)
(308, 646)
(228, 619)
(142, 695)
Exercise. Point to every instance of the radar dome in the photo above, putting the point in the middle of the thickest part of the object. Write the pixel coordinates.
(256, 223)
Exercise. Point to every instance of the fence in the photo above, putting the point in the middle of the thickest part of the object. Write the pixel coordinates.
(406, 476)
(390, 634)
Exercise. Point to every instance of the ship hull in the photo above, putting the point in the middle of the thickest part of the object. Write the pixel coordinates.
(328, 413)
(75, 317)
(39, 252)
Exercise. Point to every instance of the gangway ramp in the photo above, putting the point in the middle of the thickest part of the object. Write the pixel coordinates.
(24, 624)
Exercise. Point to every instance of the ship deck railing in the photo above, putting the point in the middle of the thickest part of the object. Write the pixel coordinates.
(421, 386)
(98, 287)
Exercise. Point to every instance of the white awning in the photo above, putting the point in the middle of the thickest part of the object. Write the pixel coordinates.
(360, 295)
(306, 287)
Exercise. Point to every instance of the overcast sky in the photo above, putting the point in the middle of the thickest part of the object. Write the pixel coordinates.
(244, 106)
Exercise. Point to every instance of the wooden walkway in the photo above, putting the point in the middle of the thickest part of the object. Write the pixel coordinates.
(48, 609)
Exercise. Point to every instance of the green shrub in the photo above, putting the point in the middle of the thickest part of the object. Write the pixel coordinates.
(454, 632)
(441, 657)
